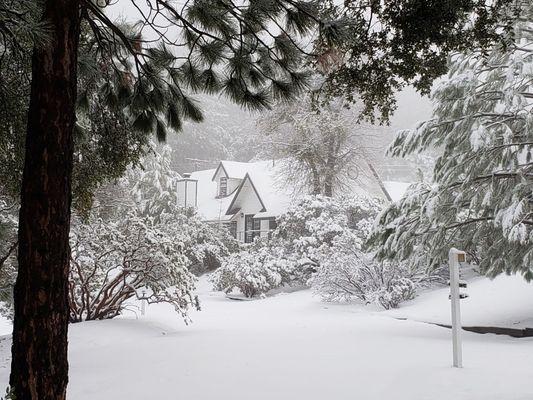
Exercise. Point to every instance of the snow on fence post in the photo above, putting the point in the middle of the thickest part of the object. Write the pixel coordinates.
(454, 258)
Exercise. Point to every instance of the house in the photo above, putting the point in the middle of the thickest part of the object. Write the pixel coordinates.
(246, 197)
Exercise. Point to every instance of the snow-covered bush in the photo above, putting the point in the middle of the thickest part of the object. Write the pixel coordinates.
(319, 242)
(253, 271)
(138, 240)
(347, 273)
(308, 229)
(298, 246)
(204, 245)
(112, 262)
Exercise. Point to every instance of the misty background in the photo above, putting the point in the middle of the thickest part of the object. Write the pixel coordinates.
(230, 133)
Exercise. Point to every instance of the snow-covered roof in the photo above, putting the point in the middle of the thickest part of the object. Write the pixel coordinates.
(275, 196)
(234, 169)
(209, 206)
(264, 178)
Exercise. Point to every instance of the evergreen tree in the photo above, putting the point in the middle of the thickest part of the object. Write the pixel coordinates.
(481, 197)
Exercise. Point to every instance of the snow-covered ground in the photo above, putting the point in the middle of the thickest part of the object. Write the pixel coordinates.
(290, 346)
(506, 302)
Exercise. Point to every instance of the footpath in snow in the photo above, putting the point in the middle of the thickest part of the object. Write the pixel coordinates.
(289, 347)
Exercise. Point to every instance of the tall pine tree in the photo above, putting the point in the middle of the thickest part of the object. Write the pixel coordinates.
(481, 198)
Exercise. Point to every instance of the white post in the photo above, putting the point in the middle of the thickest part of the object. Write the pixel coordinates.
(143, 304)
(454, 256)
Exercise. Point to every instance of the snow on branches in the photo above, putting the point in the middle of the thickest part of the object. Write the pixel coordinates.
(139, 243)
(254, 271)
(481, 199)
(325, 148)
(113, 261)
(319, 243)
(347, 273)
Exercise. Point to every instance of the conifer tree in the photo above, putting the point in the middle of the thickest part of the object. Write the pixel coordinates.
(481, 196)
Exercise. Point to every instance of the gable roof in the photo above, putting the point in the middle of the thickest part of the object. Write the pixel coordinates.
(231, 210)
(232, 169)
(262, 175)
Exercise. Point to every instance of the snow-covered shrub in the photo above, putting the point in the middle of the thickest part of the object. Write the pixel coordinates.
(138, 240)
(319, 242)
(305, 234)
(112, 262)
(204, 245)
(308, 229)
(253, 271)
(396, 290)
(349, 272)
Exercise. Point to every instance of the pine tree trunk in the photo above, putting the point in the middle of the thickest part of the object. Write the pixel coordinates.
(39, 367)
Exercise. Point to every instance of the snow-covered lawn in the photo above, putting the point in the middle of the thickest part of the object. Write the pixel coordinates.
(506, 301)
(290, 346)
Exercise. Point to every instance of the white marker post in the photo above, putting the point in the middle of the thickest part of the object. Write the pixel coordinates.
(143, 304)
(454, 258)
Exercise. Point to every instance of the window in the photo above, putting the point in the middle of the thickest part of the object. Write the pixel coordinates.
(257, 226)
(252, 228)
(223, 186)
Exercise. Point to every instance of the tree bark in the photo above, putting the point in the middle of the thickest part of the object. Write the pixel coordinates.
(331, 163)
(315, 177)
(39, 367)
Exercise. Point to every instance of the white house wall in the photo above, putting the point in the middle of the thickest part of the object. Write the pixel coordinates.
(240, 227)
(187, 192)
(248, 201)
(181, 193)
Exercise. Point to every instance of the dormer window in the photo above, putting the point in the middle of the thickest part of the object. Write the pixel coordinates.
(223, 186)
